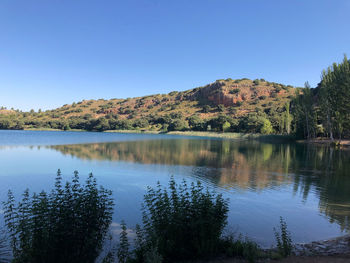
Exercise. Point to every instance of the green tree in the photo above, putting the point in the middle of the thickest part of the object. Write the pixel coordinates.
(102, 124)
(178, 125)
(266, 128)
(123, 249)
(226, 126)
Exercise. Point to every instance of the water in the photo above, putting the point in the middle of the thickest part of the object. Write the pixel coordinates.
(308, 185)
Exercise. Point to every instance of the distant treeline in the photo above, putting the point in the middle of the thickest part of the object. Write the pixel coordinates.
(256, 122)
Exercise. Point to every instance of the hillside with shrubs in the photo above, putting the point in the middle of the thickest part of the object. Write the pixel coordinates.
(252, 106)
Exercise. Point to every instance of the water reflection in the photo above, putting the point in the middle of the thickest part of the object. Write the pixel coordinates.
(245, 166)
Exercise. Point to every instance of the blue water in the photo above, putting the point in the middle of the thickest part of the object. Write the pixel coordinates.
(307, 185)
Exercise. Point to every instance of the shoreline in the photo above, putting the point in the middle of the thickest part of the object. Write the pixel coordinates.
(327, 247)
(326, 141)
(273, 138)
(219, 135)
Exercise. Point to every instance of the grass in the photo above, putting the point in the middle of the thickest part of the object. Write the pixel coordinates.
(236, 136)
(226, 135)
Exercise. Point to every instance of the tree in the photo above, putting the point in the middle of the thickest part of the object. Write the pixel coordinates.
(178, 125)
(325, 108)
(266, 127)
(123, 250)
(102, 124)
(305, 112)
(226, 126)
(196, 123)
(334, 93)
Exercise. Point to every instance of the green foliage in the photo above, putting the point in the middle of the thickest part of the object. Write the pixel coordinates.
(326, 105)
(183, 222)
(206, 109)
(238, 103)
(255, 123)
(218, 123)
(234, 91)
(226, 126)
(123, 249)
(102, 124)
(67, 225)
(178, 125)
(304, 112)
(256, 82)
(334, 94)
(243, 248)
(221, 108)
(283, 239)
(266, 127)
(196, 123)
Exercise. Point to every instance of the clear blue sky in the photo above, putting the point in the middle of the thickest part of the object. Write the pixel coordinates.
(54, 52)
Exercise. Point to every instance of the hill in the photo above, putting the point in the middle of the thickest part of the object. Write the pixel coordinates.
(226, 105)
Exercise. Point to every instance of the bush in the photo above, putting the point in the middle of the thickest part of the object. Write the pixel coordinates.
(67, 225)
(184, 222)
(206, 109)
(238, 103)
(283, 239)
(240, 247)
(221, 108)
(234, 91)
(256, 82)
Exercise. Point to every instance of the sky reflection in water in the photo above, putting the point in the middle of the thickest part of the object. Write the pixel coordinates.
(307, 185)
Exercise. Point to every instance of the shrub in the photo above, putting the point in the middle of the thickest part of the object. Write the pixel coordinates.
(234, 91)
(273, 95)
(240, 247)
(256, 82)
(283, 239)
(67, 225)
(206, 108)
(238, 103)
(184, 222)
(221, 107)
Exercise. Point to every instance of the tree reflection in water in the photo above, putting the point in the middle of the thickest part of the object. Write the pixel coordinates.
(245, 165)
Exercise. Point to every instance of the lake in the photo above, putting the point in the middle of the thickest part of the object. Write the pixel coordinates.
(308, 185)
